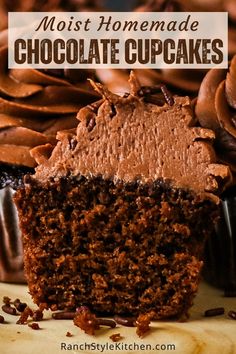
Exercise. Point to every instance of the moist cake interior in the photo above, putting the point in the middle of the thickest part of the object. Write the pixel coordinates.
(118, 248)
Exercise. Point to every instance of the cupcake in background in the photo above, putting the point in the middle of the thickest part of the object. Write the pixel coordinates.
(199, 6)
(34, 106)
(46, 5)
(178, 81)
(216, 109)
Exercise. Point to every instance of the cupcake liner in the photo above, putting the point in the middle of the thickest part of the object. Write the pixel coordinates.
(11, 249)
(220, 260)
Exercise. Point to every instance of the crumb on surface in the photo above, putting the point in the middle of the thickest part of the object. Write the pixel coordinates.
(116, 337)
(68, 334)
(86, 321)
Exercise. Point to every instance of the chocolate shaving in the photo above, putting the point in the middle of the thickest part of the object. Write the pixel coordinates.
(34, 325)
(2, 319)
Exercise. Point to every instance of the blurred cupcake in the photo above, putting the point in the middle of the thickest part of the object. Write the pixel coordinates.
(46, 5)
(216, 109)
(199, 6)
(34, 106)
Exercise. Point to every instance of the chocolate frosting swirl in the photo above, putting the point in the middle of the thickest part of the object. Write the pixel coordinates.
(216, 109)
(35, 105)
(128, 139)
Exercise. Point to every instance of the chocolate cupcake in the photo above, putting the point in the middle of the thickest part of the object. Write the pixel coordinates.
(34, 106)
(116, 219)
(215, 109)
(179, 81)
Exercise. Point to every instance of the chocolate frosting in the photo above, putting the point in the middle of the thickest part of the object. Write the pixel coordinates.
(216, 109)
(34, 105)
(128, 139)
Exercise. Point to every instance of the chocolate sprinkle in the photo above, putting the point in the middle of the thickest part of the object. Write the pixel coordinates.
(64, 315)
(116, 337)
(106, 322)
(214, 312)
(148, 91)
(125, 321)
(168, 97)
(232, 314)
(9, 310)
(91, 124)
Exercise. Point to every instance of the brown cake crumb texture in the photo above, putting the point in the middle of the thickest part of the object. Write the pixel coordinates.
(114, 248)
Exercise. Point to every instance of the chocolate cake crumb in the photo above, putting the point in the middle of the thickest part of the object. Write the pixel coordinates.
(34, 325)
(2, 319)
(143, 324)
(28, 312)
(37, 315)
(6, 300)
(214, 312)
(86, 320)
(68, 334)
(232, 314)
(116, 337)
